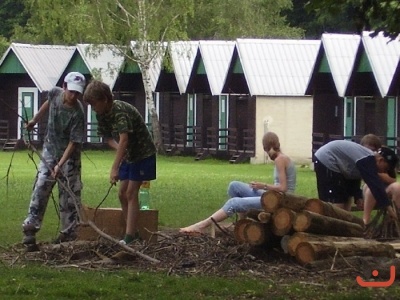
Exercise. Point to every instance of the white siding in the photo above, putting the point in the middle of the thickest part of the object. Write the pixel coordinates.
(291, 119)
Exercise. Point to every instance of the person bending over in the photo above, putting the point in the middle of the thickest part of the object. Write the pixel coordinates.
(373, 142)
(341, 165)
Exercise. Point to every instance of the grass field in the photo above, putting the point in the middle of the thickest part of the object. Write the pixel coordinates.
(185, 191)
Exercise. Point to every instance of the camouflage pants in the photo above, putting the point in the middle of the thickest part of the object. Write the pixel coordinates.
(43, 186)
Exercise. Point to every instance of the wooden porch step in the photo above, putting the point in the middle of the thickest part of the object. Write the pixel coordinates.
(10, 145)
(235, 158)
(170, 150)
(201, 155)
(238, 157)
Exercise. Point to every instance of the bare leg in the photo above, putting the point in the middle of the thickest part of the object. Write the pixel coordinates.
(122, 197)
(346, 205)
(132, 215)
(201, 226)
(393, 191)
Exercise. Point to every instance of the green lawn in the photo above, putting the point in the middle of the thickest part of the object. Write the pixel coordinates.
(185, 191)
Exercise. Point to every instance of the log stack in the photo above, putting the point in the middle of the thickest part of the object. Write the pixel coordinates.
(307, 229)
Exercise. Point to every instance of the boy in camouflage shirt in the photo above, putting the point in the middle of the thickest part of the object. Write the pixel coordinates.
(61, 158)
(124, 129)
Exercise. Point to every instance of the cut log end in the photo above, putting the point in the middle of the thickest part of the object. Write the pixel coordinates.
(239, 230)
(254, 233)
(302, 222)
(305, 253)
(270, 201)
(264, 217)
(282, 221)
(292, 244)
(315, 205)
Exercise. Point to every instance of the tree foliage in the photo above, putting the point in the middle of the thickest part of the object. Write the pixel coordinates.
(12, 13)
(77, 21)
(121, 21)
(65, 22)
(314, 25)
(375, 15)
(231, 19)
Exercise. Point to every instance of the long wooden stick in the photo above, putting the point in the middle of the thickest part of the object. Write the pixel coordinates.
(82, 215)
(127, 248)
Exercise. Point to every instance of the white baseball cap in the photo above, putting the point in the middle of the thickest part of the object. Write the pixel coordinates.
(75, 82)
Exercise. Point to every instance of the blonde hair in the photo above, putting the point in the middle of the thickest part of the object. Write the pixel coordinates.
(371, 141)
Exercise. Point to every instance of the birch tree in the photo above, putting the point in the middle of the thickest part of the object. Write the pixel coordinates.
(149, 24)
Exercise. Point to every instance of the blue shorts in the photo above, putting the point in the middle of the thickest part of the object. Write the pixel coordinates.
(143, 170)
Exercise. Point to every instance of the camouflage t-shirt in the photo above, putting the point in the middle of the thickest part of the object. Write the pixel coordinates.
(125, 118)
(64, 125)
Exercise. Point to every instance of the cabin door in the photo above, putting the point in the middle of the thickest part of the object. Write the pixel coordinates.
(27, 107)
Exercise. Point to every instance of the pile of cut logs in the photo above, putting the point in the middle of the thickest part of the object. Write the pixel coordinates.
(308, 229)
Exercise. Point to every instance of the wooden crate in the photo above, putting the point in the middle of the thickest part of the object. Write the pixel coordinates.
(111, 221)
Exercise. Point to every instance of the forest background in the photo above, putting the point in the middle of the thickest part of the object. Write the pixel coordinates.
(68, 22)
(152, 23)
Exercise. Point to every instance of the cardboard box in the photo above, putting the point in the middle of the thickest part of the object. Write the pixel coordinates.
(112, 222)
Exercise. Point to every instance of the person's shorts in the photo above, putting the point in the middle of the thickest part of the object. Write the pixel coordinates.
(143, 170)
(334, 187)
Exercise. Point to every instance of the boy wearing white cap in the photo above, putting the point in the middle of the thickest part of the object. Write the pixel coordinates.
(62, 155)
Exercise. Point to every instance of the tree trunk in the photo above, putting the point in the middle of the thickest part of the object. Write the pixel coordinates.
(365, 265)
(155, 122)
(282, 221)
(157, 135)
(307, 221)
(238, 231)
(264, 217)
(307, 252)
(272, 200)
(331, 210)
(257, 233)
(294, 240)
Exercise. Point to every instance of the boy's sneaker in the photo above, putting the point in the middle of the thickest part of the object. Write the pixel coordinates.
(29, 234)
(29, 239)
(129, 239)
(122, 242)
(63, 237)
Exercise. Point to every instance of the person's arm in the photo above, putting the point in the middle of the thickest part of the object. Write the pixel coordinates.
(386, 178)
(112, 143)
(67, 153)
(119, 156)
(280, 165)
(369, 173)
(42, 110)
